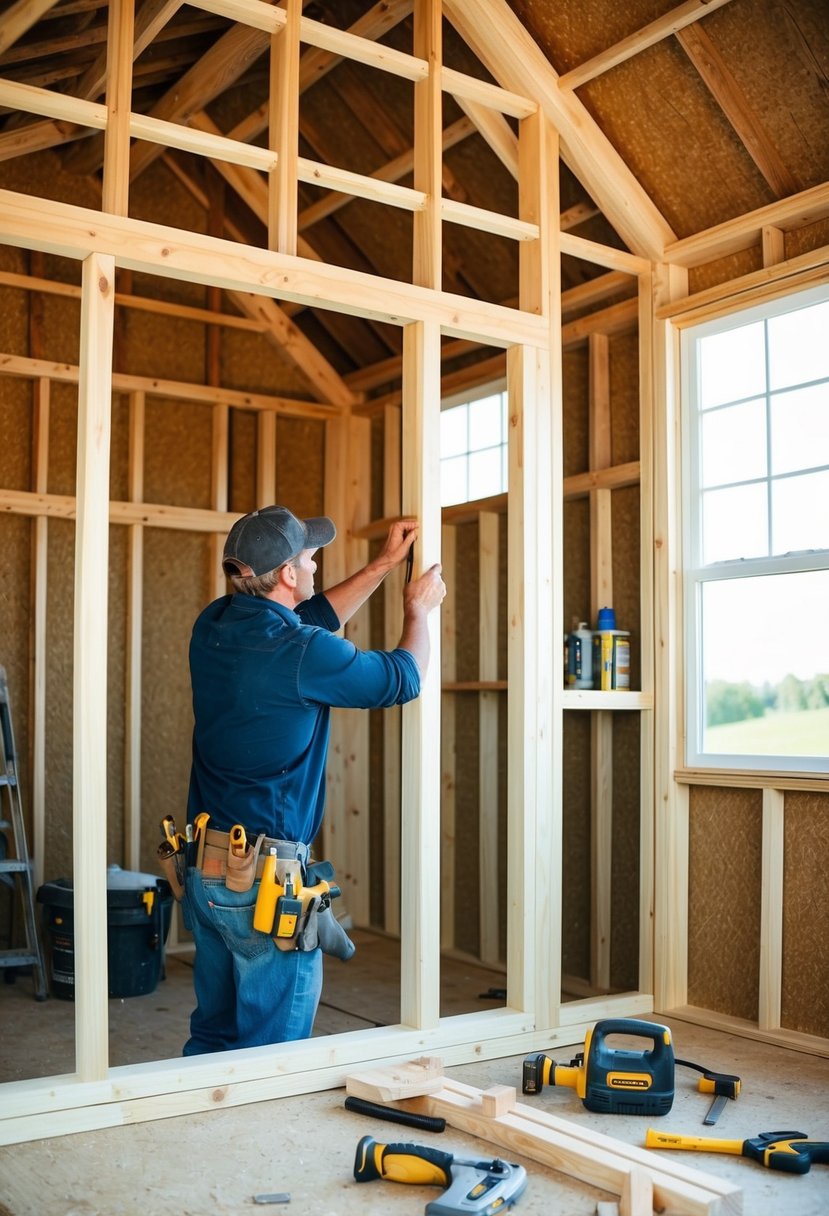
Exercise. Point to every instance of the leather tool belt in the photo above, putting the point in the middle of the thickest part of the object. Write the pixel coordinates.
(216, 854)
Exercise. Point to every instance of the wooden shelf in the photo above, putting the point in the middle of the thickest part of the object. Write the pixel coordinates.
(589, 698)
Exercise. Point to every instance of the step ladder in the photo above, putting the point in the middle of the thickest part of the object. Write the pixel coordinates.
(19, 869)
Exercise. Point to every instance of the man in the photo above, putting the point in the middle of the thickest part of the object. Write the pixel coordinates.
(266, 666)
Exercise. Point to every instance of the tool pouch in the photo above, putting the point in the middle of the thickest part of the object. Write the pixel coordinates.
(319, 928)
(168, 863)
(241, 871)
(333, 938)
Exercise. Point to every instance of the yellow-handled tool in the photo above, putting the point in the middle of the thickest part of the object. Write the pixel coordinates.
(479, 1188)
(792, 1152)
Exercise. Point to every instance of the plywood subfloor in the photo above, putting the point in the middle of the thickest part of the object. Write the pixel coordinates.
(215, 1163)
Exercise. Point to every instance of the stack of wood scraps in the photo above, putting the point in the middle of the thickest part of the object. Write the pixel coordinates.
(644, 1181)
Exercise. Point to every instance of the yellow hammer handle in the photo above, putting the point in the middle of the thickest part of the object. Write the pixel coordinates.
(700, 1144)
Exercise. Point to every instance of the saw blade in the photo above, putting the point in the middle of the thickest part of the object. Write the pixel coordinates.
(714, 1109)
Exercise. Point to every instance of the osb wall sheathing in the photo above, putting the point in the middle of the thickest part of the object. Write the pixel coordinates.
(724, 900)
(624, 405)
(805, 1005)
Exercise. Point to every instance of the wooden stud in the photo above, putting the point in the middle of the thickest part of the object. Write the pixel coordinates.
(353, 849)
(448, 768)
(90, 653)
(40, 600)
(427, 269)
(670, 906)
(134, 636)
(601, 724)
(491, 897)
(774, 245)
(19, 18)
(335, 504)
(770, 1003)
(284, 131)
(420, 812)
(120, 39)
(393, 601)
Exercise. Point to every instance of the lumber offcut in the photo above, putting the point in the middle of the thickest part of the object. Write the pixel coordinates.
(572, 1148)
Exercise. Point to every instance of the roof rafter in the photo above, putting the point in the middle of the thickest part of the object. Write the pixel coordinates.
(731, 99)
(20, 18)
(508, 51)
(677, 19)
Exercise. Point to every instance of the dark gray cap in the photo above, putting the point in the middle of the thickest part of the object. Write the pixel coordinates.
(262, 541)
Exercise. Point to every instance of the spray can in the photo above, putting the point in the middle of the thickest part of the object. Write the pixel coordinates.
(611, 654)
(580, 657)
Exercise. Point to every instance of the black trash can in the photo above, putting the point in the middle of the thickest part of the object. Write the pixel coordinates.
(139, 908)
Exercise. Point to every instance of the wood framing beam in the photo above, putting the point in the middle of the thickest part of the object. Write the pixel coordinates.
(729, 96)
(20, 18)
(89, 721)
(151, 17)
(746, 231)
(177, 390)
(505, 47)
(420, 805)
(634, 44)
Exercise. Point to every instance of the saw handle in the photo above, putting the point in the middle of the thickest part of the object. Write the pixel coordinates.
(414, 1163)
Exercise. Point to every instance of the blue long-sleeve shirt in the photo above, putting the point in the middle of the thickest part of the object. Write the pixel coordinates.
(263, 679)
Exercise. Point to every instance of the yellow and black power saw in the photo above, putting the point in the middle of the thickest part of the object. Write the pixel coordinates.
(618, 1081)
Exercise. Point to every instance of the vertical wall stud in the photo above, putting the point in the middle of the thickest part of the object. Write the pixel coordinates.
(601, 721)
(392, 595)
(771, 916)
(120, 37)
(428, 144)
(491, 897)
(420, 817)
(448, 774)
(135, 601)
(671, 808)
(90, 665)
(284, 132)
(40, 599)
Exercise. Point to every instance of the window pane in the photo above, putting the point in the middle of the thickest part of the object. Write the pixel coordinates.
(734, 443)
(485, 473)
(798, 346)
(800, 513)
(734, 523)
(763, 695)
(732, 365)
(485, 423)
(453, 480)
(800, 429)
(453, 431)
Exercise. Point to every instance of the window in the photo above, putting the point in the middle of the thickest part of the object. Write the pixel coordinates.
(756, 470)
(473, 448)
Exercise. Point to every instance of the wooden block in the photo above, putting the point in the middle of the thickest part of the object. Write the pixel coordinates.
(497, 1100)
(422, 1076)
(637, 1194)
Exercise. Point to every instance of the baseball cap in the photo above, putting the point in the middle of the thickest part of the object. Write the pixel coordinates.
(259, 542)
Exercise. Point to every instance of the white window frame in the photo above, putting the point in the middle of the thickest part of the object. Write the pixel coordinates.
(468, 397)
(695, 574)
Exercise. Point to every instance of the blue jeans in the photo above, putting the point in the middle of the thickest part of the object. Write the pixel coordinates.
(248, 992)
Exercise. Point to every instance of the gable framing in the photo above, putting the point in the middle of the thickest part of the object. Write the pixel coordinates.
(270, 280)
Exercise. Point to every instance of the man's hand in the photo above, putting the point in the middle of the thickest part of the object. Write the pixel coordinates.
(425, 593)
(401, 537)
